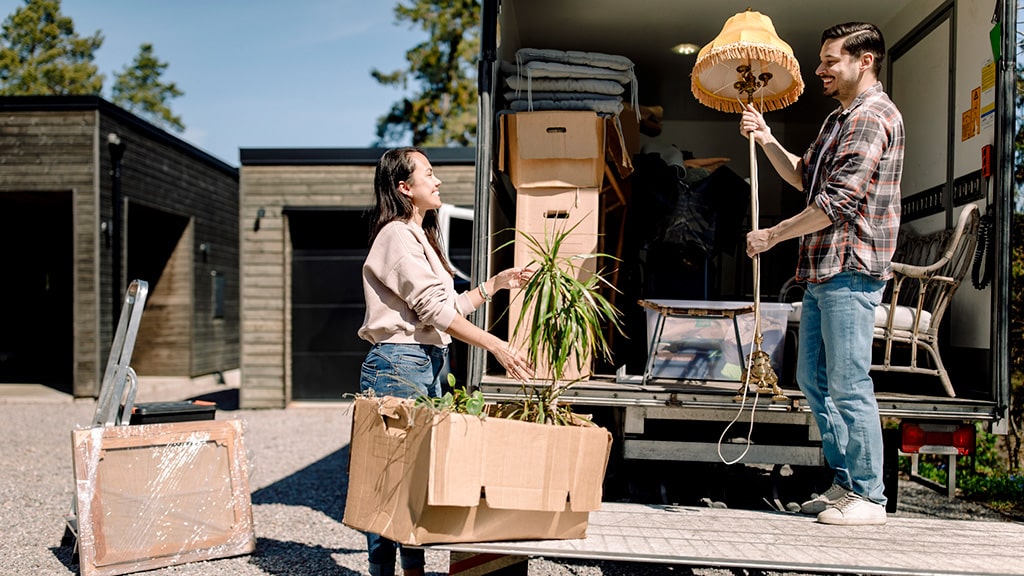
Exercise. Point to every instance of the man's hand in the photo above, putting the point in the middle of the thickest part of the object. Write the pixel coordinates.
(752, 122)
(759, 241)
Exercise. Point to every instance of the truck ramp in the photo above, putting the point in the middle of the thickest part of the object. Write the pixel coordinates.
(777, 541)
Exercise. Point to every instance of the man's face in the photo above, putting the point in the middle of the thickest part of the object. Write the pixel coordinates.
(840, 72)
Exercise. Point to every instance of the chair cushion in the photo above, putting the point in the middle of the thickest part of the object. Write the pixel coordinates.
(904, 319)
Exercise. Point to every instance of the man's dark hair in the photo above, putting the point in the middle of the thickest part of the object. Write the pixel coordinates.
(860, 37)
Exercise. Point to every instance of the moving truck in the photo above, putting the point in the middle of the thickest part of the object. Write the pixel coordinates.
(949, 68)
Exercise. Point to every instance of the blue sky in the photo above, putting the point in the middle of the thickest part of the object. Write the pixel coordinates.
(258, 73)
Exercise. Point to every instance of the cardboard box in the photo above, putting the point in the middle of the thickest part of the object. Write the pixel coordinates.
(552, 149)
(419, 476)
(554, 209)
(704, 347)
(156, 495)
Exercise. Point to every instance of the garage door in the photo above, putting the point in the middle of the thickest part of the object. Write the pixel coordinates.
(328, 250)
(36, 294)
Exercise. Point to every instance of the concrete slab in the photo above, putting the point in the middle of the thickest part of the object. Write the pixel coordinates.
(33, 394)
(151, 389)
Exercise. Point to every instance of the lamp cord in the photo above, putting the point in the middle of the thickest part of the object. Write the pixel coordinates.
(754, 209)
(743, 402)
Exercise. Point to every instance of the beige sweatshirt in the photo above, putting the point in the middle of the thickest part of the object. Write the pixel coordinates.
(410, 297)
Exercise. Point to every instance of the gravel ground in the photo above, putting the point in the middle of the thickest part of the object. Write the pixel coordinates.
(297, 459)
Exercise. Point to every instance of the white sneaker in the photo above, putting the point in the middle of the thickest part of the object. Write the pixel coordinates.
(853, 510)
(818, 504)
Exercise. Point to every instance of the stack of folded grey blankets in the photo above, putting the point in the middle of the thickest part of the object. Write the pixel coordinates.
(545, 79)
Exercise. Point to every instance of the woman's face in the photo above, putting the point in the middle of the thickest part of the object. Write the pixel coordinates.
(422, 187)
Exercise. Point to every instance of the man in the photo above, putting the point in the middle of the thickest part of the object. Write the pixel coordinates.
(851, 175)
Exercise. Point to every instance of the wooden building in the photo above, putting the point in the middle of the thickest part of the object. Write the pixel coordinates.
(70, 249)
(304, 238)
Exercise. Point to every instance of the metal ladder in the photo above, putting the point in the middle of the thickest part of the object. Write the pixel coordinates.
(118, 387)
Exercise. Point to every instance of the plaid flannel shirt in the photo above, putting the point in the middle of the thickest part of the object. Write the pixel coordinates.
(858, 186)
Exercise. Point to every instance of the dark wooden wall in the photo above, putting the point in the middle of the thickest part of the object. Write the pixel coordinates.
(59, 144)
(166, 178)
(52, 152)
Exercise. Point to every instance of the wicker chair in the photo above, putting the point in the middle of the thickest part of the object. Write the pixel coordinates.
(927, 270)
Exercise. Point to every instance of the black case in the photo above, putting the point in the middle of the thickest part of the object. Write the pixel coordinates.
(164, 412)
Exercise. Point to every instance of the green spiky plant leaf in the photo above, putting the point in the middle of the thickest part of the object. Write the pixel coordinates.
(564, 318)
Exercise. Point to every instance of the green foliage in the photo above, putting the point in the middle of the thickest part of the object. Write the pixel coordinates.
(443, 112)
(1016, 329)
(459, 400)
(1017, 293)
(539, 404)
(563, 314)
(138, 89)
(42, 55)
(564, 318)
(1004, 493)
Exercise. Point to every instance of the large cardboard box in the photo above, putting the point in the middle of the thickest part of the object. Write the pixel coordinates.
(551, 149)
(419, 476)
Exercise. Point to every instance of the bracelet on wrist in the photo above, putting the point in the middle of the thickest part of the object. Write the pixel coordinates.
(483, 292)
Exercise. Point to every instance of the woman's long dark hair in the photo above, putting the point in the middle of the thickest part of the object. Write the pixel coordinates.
(395, 166)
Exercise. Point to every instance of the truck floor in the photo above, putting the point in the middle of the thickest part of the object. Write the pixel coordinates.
(730, 538)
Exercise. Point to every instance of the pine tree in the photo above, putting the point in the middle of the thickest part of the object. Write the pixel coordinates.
(138, 89)
(444, 112)
(40, 53)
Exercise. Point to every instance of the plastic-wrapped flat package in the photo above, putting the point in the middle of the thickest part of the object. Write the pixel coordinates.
(157, 495)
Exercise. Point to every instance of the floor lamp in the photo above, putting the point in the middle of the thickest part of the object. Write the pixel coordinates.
(748, 61)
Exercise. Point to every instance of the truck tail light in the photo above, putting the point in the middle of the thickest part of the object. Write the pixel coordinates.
(936, 438)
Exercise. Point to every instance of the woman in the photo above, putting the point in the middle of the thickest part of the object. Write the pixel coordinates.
(412, 310)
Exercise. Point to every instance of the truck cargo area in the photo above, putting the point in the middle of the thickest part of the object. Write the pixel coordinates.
(678, 399)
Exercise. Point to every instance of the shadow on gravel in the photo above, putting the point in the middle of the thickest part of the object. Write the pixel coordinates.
(321, 486)
(66, 553)
(278, 557)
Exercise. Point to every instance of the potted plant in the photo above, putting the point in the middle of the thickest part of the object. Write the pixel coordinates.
(561, 323)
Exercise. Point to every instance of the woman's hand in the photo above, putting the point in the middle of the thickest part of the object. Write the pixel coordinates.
(511, 278)
(515, 362)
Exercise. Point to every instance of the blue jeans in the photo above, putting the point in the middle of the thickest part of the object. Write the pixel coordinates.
(405, 371)
(833, 364)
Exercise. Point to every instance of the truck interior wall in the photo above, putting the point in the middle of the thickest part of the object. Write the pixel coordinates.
(972, 326)
(919, 86)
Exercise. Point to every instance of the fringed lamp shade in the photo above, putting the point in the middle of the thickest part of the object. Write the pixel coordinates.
(747, 62)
